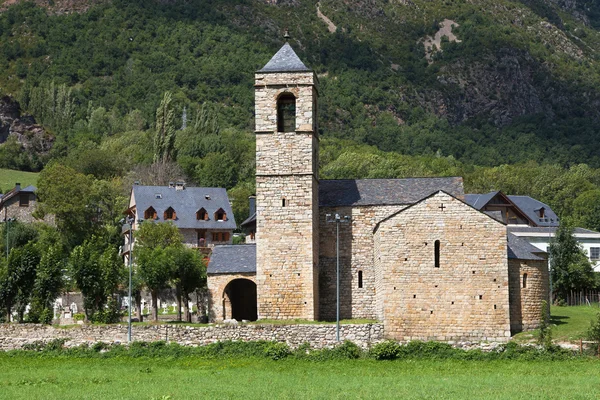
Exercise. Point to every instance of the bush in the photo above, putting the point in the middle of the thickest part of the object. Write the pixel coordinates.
(593, 332)
(277, 351)
(387, 350)
(78, 317)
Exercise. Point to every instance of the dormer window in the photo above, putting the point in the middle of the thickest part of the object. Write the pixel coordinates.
(202, 215)
(286, 113)
(541, 212)
(220, 215)
(150, 213)
(170, 214)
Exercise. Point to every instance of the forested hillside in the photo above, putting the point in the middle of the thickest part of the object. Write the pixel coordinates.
(505, 93)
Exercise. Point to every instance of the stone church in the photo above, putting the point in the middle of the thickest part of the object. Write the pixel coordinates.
(413, 254)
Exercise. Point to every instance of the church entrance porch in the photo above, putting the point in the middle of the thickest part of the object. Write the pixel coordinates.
(239, 300)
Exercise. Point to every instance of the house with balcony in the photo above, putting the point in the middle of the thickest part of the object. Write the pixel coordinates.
(203, 215)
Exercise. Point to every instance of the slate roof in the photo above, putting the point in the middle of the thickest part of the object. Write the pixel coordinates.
(13, 192)
(530, 205)
(285, 60)
(478, 201)
(363, 192)
(249, 220)
(521, 249)
(546, 229)
(185, 203)
(230, 259)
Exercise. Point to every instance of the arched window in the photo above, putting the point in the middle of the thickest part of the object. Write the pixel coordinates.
(437, 253)
(524, 280)
(170, 214)
(286, 113)
(150, 213)
(220, 215)
(202, 215)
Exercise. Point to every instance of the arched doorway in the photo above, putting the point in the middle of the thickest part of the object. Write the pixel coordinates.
(239, 299)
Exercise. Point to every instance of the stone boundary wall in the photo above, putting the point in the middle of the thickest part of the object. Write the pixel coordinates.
(14, 336)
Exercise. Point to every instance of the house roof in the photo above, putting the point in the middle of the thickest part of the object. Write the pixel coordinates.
(478, 201)
(521, 249)
(547, 230)
(530, 205)
(249, 220)
(186, 203)
(363, 192)
(14, 191)
(285, 60)
(230, 259)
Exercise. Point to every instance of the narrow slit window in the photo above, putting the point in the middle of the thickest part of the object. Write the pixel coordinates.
(524, 280)
(286, 113)
(360, 279)
(437, 253)
(283, 202)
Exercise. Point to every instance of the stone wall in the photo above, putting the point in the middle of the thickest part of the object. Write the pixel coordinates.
(14, 336)
(12, 209)
(219, 306)
(286, 199)
(526, 300)
(466, 296)
(356, 256)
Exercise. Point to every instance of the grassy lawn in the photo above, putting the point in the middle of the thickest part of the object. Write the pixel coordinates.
(186, 378)
(568, 323)
(9, 177)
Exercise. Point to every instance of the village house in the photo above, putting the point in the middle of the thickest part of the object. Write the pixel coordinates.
(413, 254)
(202, 215)
(19, 204)
(533, 221)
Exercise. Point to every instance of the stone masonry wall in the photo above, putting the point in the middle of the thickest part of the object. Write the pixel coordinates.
(526, 302)
(356, 254)
(285, 249)
(269, 86)
(14, 336)
(466, 297)
(286, 199)
(219, 307)
(12, 209)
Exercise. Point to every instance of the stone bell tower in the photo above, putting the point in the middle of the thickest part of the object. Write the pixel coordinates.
(287, 213)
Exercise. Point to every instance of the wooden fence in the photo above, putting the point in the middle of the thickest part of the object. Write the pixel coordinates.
(583, 298)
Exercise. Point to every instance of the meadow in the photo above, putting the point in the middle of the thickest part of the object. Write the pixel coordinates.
(9, 177)
(253, 378)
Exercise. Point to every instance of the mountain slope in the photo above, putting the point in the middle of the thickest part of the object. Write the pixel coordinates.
(518, 80)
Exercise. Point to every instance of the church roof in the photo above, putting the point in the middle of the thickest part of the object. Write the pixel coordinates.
(231, 259)
(521, 249)
(285, 60)
(366, 192)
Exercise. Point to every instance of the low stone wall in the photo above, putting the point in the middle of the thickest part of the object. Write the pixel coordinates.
(14, 336)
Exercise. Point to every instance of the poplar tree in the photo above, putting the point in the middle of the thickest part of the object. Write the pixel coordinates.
(164, 138)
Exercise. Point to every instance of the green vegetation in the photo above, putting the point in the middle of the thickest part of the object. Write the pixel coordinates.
(9, 177)
(567, 323)
(266, 370)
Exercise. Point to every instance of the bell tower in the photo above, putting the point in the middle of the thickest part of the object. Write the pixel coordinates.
(287, 209)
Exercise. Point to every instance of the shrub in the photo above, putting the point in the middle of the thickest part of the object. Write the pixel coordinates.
(387, 350)
(545, 332)
(593, 332)
(277, 351)
(78, 317)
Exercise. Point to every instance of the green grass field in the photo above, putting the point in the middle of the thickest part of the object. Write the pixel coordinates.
(9, 177)
(569, 324)
(192, 378)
